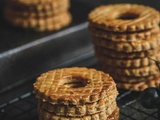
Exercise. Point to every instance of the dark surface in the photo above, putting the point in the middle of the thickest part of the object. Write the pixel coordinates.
(25, 54)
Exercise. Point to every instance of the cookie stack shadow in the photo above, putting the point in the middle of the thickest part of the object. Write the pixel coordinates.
(126, 39)
(76, 94)
(38, 15)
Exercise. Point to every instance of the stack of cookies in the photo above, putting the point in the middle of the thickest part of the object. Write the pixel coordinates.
(76, 93)
(126, 39)
(38, 15)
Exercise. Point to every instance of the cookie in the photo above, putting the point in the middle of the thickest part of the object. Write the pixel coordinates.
(132, 79)
(54, 6)
(125, 55)
(131, 46)
(41, 24)
(44, 115)
(39, 4)
(74, 86)
(79, 110)
(124, 17)
(114, 115)
(136, 72)
(128, 63)
(139, 86)
(21, 12)
(123, 37)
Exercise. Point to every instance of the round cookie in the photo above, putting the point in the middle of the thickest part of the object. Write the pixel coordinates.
(74, 86)
(130, 46)
(38, 2)
(53, 5)
(80, 110)
(128, 63)
(125, 55)
(44, 115)
(41, 24)
(123, 37)
(21, 12)
(136, 72)
(139, 86)
(132, 79)
(124, 17)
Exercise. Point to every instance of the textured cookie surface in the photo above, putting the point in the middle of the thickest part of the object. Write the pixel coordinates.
(107, 104)
(132, 46)
(35, 2)
(125, 55)
(25, 12)
(44, 115)
(74, 86)
(41, 24)
(124, 17)
(128, 63)
(136, 72)
(139, 86)
(54, 6)
(123, 36)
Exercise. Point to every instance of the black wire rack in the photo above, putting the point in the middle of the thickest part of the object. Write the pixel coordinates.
(25, 108)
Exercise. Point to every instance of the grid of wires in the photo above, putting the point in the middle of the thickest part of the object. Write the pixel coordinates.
(25, 108)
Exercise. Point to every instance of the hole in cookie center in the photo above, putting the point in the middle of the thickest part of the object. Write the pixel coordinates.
(128, 16)
(75, 82)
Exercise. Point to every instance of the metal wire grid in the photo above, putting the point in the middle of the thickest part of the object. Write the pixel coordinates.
(25, 108)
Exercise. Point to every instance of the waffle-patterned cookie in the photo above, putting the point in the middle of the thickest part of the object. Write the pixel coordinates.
(74, 86)
(123, 37)
(80, 110)
(103, 115)
(128, 63)
(114, 115)
(124, 17)
(139, 86)
(132, 46)
(125, 55)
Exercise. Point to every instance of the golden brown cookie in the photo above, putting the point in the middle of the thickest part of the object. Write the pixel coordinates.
(103, 115)
(23, 12)
(41, 7)
(41, 24)
(40, 4)
(131, 46)
(124, 17)
(132, 79)
(139, 86)
(124, 55)
(74, 86)
(136, 72)
(123, 37)
(79, 110)
(128, 63)
(114, 115)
